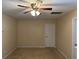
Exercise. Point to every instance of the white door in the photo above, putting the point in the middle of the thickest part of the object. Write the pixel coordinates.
(49, 35)
(74, 39)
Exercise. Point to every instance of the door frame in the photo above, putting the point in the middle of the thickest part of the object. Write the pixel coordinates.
(73, 35)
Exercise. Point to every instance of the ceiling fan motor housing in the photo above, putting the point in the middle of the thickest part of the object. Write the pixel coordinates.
(34, 7)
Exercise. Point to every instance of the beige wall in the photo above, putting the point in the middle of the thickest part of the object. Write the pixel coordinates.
(30, 33)
(8, 34)
(64, 33)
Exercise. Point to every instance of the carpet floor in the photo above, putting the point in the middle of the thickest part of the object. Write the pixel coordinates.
(35, 53)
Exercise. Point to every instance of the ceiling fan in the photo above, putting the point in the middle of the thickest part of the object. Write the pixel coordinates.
(36, 7)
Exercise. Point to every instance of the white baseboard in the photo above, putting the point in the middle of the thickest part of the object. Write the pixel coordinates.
(62, 53)
(9, 53)
(31, 47)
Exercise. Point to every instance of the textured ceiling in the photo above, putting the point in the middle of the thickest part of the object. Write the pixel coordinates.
(10, 8)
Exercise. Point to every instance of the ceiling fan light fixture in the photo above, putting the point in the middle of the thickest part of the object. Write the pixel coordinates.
(35, 13)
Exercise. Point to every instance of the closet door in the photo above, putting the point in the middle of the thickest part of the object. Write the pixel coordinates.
(49, 35)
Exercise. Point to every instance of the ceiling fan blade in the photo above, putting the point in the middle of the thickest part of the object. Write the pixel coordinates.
(23, 6)
(46, 8)
(56, 12)
(56, 4)
(27, 11)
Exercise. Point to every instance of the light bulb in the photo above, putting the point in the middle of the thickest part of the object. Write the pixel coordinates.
(33, 13)
(37, 13)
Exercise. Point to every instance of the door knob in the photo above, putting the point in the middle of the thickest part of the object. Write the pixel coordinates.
(75, 44)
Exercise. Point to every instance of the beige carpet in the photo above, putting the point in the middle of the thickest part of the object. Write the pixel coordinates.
(35, 53)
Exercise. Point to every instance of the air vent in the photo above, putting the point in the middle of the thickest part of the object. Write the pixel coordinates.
(56, 12)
